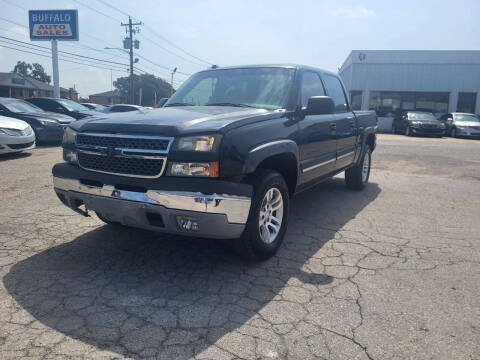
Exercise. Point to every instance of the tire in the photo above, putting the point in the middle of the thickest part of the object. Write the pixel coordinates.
(453, 132)
(106, 221)
(408, 132)
(356, 177)
(255, 244)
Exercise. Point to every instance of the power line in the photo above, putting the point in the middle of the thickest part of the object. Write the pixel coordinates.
(169, 51)
(65, 60)
(97, 11)
(155, 33)
(66, 52)
(161, 66)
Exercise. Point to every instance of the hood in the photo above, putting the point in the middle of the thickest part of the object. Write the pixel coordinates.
(467, 123)
(11, 123)
(86, 112)
(60, 118)
(171, 121)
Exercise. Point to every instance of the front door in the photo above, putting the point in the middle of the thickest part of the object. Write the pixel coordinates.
(345, 121)
(317, 146)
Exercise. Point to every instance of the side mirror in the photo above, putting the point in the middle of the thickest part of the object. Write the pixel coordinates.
(162, 102)
(320, 105)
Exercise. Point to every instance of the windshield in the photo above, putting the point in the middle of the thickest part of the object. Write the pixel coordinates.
(418, 116)
(467, 118)
(19, 106)
(72, 105)
(266, 88)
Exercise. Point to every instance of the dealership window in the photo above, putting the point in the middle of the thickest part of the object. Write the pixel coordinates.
(388, 103)
(356, 99)
(466, 102)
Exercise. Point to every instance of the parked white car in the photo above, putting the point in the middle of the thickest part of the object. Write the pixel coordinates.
(15, 135)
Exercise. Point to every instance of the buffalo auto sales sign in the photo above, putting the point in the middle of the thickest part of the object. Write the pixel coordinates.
(53, 24)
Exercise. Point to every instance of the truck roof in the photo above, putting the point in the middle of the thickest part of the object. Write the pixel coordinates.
(286, 66)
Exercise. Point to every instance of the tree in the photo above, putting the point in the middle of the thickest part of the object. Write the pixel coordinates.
(22, 68)
(148, 83)
(34, 70)
(39, 73)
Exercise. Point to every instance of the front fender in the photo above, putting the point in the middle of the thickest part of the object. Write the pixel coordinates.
(267, 150)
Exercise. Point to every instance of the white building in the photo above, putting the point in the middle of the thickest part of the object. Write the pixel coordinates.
(438, 81)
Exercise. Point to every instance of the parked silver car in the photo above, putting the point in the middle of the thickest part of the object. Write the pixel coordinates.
(15, 135)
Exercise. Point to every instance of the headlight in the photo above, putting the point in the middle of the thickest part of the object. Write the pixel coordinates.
(48, 122)
(199, 169)
(198, 143)
(69, 136)
(10, 132)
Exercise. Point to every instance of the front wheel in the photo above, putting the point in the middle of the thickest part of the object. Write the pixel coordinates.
(408, 131)
(357, 176)
(453, 132)
(268, 218)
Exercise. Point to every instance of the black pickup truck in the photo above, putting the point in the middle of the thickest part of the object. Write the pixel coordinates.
(222, 158)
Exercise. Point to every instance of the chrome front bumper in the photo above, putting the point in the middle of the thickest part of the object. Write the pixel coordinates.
(219, 216)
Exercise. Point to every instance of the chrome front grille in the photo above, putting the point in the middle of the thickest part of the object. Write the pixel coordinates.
(126, 155)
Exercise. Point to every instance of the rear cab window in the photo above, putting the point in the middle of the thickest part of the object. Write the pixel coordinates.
(311, 86)
(335, 90)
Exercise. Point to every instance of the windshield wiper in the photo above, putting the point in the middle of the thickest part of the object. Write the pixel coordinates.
(178, 104)
(229, 104)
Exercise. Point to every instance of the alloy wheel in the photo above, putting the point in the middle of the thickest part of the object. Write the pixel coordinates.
(271, 215)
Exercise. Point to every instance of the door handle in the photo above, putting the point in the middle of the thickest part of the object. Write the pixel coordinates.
(333, 126)
(352, 123)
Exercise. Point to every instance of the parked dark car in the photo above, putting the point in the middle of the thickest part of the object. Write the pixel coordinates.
(462, 124)
(63, 106)
(48, 126)
(123, 108)
(417, 122)
(222, 158)
(93, 106)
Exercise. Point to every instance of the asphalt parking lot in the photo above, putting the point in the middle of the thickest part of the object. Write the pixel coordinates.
(392, 272)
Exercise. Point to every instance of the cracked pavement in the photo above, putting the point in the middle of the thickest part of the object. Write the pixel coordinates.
(391, 272)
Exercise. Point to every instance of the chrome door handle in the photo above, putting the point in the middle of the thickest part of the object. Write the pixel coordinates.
(333, 126)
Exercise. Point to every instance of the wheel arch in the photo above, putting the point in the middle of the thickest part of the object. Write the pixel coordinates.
(281, 156)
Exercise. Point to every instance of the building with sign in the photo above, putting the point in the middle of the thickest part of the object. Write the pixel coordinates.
(21, 87)
(388, 81)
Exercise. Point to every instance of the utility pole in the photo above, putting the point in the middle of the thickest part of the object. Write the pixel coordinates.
(171, 81)
(130, 42)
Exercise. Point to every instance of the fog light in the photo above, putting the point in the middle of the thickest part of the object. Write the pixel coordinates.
(70, 156)
(188, 223)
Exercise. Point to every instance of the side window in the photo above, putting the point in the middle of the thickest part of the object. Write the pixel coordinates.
(47, 105)
(311, 86)
(334, 89)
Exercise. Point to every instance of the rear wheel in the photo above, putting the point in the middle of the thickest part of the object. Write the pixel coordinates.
(268, 218)
(357, 176)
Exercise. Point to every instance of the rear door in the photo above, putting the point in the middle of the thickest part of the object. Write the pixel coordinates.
(345, 121)
(317, 146)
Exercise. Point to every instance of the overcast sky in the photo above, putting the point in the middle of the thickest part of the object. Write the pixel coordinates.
(317, 33)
